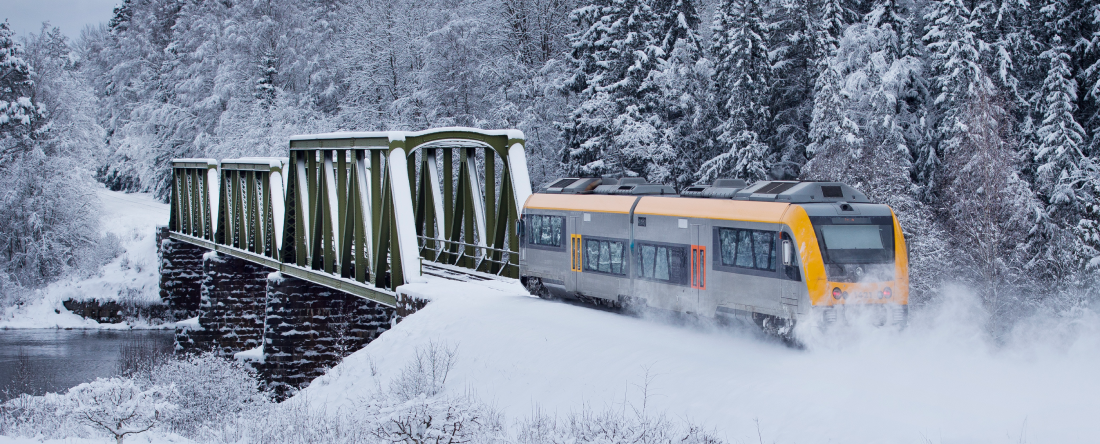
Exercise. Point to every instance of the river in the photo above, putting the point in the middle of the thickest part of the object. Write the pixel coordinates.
(53, 360)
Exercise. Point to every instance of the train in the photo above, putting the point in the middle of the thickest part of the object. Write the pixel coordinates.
(774, 253)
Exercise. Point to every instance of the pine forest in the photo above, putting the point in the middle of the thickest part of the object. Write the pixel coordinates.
(977, 121)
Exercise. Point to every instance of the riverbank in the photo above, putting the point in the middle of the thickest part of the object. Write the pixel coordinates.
(131, 277)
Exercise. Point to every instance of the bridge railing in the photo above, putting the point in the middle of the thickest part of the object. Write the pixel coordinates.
(250, 210)
(455, 253)
(194, 184)
(354, 210)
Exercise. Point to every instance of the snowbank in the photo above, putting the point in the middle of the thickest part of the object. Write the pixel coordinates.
(153, 437)
(939, 380)
(134, 275)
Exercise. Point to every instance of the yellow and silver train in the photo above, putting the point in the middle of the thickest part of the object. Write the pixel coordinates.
(773, 253)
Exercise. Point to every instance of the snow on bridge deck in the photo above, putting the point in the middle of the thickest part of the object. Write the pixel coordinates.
(939, 380)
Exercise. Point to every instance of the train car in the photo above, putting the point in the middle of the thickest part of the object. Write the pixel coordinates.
(773, 253)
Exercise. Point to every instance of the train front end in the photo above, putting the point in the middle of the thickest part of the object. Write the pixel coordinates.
(856, 263)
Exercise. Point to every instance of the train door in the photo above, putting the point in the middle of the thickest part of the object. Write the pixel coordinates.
(575, 249)
(790, 276)
(698, 263)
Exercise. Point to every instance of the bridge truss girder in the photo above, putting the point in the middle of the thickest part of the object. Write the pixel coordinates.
(356, 209)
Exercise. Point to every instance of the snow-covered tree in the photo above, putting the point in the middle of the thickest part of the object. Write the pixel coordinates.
(612, 56)
(742, 72)
(1061, 151)
(20, 115)
(209, 389)
(835, 17)
(415, 407)
(173, 73)
(118, 406)
(796, 59)
(48, 209)
(954, 48)
(991, 210)
(687, 108)
(1066, 177)
(678, 93)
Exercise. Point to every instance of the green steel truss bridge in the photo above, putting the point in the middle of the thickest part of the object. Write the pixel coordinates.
(362, 212)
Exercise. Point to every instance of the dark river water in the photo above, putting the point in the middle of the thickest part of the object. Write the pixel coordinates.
(50, 360)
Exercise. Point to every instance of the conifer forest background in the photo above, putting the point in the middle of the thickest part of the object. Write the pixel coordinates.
(978, 121)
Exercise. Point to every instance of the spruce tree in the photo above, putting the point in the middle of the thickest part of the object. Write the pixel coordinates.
(1060, 154)
(954, 48)
(681, 98)
(795, 56)
(20, 114)
(835, 18)
(613, 54)
(1090, 61)
(742, 77)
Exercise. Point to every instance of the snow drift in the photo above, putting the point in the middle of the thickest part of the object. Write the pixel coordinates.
(940, 380)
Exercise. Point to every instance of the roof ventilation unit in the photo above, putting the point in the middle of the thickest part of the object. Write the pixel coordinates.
(802, 192)
(572, 185)
(632, 186)
(721, 188)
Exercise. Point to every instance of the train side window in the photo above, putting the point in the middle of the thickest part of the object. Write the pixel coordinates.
(744, 249)
(764, 247)
(545, 230)
(727, 242)
(649, 253)
(660, 269)
(663, 263)
(747, 248)
(617, 257)
(604, 256)
(591, 254)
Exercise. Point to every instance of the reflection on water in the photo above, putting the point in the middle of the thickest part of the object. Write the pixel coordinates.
(51, 360)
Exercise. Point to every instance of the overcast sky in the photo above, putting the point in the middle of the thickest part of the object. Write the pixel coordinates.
(70, 15)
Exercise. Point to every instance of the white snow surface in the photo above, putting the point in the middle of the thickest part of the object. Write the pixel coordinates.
(150, 437)
(133, 218)
(941, 380)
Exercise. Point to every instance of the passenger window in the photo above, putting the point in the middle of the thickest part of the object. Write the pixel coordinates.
(592, 254)
(728, 242)
(617, 258)
(545, 230)
(661, 269)
(648, 254)
(603, 256)
(763, 243)
(663, 263)
(744, 249)
(747, 248)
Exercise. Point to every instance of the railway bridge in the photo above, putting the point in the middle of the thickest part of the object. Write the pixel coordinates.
(294, 262)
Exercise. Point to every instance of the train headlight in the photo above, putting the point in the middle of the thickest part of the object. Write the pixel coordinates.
(836, 293)
(886, 293)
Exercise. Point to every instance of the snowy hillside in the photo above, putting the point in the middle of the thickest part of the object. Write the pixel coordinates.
(939, 381)
(133, 274)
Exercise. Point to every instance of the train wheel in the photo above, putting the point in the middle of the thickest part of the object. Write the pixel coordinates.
(535, 287)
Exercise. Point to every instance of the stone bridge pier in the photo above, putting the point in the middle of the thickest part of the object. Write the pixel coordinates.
(294, 329)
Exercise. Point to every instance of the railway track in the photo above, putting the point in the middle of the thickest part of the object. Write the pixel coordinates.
(456, 273)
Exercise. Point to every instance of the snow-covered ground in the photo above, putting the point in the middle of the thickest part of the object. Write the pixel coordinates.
(131, 217)
(939, 381)
(942, 380)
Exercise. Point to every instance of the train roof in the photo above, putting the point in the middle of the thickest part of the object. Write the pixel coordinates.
(785, 191)
(764, 201)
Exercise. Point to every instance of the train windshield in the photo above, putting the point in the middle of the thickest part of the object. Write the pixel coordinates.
(855, 240)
